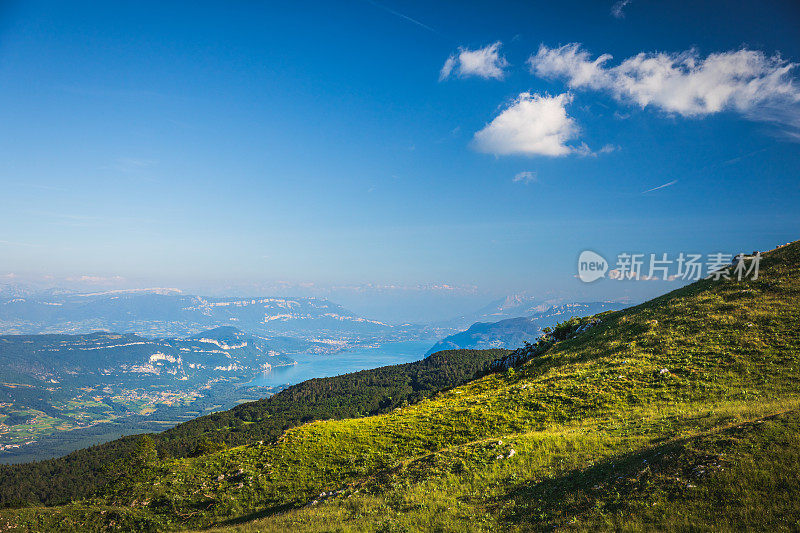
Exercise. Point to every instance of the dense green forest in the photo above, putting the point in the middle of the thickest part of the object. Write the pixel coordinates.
(368, 392)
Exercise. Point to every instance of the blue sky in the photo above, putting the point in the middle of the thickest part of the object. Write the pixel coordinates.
(322, 148)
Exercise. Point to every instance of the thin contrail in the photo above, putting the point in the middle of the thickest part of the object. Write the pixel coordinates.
(737, 159)
(406, 17)
(660, 187)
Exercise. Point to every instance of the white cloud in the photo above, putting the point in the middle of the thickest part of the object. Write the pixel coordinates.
(525, 177)
(484, 62)
(745, 81)
(531, 125)
(584, 150)
(607, 149)
(447, 68)
(618, 8)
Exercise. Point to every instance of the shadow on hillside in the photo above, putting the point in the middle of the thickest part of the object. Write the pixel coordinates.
(671, 469)
(255, 515)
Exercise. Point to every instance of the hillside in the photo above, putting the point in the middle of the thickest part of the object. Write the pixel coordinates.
(357, 394)
(677, 413)
(513, 332)
(520, 305)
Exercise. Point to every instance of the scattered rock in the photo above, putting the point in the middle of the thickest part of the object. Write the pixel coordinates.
(529, 351)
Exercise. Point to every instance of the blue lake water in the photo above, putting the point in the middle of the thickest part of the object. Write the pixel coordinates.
(321, 366)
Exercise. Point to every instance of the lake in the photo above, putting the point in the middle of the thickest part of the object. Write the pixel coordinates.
(322, 366)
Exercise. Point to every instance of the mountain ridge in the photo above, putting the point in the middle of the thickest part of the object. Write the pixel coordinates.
(513, 332)
(169, 312)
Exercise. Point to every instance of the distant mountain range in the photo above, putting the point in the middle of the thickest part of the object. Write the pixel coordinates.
(168, 312)
(512, 306)
(513, 332)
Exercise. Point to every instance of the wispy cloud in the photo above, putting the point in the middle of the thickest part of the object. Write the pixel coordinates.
(136, 168)
(134, 163)
(401, 287)
(22, 244)
(584, 150)
(744, 156)
(664, 186)
(130, 165)
(43, 187)
(402, 16)
(484, 63)
(618, 9)
(87, 220)
(525, 177)
(96, 280)
(39, 186)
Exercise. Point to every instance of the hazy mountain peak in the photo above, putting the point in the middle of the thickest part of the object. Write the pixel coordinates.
(515, 300)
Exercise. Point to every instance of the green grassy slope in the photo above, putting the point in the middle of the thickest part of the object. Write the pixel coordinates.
(85, 472)
(659, 416)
